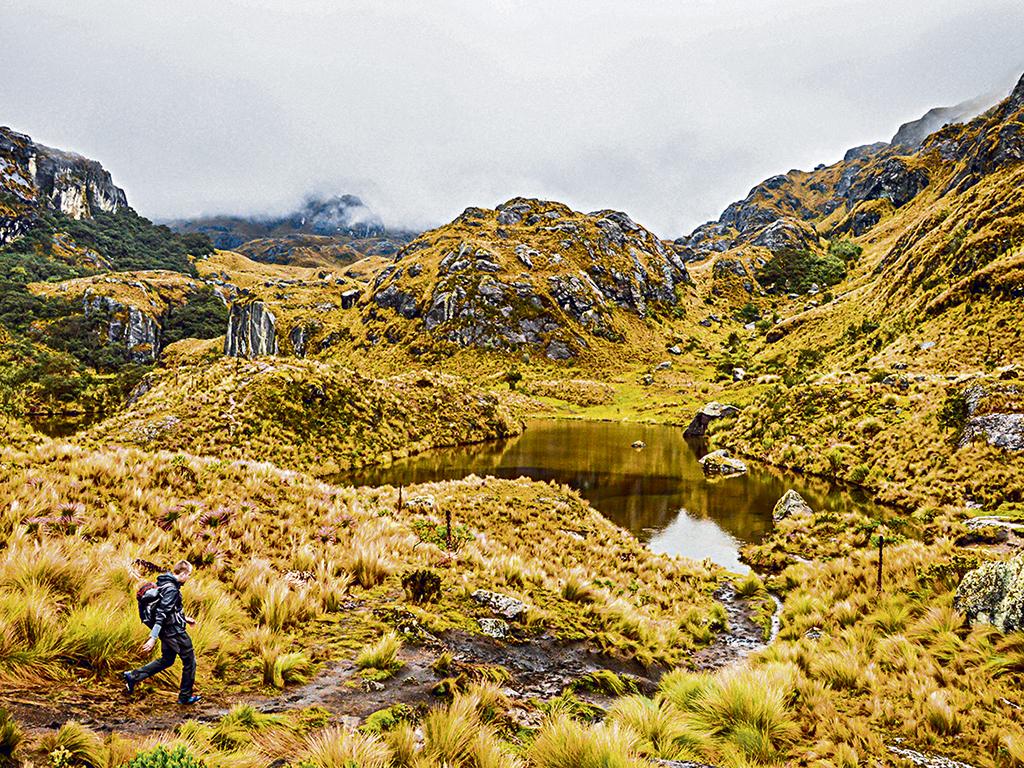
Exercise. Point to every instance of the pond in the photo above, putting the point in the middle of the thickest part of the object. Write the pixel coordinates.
(659, 493)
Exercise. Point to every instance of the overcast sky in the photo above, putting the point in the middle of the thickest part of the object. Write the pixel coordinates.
(667, 109)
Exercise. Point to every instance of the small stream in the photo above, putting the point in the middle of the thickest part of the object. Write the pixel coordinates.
(659, 492)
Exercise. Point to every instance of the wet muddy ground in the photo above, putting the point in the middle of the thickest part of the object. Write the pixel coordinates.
(539, 667)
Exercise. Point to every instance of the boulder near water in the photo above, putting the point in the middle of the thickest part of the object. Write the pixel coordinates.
(994, 594)
(721, 463)
(791, 504)
(710, 412)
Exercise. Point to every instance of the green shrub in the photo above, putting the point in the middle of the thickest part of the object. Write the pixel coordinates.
(953, 413)
(847, 250)
(204, 316)
(162, 757)
(422, 585)
(793, 270)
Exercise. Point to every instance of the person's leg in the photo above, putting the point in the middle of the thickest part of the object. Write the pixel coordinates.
(167, 654)
(188, 667)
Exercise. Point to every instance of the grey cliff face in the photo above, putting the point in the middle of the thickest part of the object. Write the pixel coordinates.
(252, 331)
(54, 179)
(126, 326)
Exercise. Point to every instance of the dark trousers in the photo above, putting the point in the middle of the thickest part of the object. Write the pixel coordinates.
(174, 646)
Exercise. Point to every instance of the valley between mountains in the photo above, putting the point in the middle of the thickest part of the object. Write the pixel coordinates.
(200, 388)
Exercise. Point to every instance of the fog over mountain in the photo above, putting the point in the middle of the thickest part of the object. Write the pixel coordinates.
(663, 109)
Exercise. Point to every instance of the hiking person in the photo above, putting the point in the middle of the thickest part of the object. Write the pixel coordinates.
(166, 615)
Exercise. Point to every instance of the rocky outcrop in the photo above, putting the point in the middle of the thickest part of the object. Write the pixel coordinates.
(720, 463)
(999, 141)
(252, 331)
(1002, 430)
(124, 325)
(529, 273)
(989, 419)
(897, 180)
(13, 227)
(508, 608)
(785, 233)
(790, 505)
(710, 412)
(994, 594)
(51, 178)
(924, 760)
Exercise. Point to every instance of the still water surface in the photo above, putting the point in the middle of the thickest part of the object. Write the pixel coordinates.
(658, 493)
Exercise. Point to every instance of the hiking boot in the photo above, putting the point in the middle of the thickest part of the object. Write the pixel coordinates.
(129, 682)
(193, 699)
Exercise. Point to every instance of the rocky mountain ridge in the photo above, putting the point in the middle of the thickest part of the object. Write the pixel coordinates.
(799, 208)
(529, 274)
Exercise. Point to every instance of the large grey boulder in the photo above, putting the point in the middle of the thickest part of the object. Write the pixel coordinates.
(710, 412)
(994, 594)
(1002, 430)
(252, 331)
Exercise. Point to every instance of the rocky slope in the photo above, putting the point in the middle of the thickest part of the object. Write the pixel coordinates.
(321, 232)
(530, 275)
(304, 414)
(129, 310)
(927, 230)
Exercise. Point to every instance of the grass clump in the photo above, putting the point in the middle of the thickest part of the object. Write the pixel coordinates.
(76, 745)
(566, 743)
(10, 738)
(337, 747)
(381, 658)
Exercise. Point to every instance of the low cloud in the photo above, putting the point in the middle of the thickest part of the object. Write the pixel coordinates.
(666, 110)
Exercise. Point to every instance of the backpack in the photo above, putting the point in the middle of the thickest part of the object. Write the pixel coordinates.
(147, 596)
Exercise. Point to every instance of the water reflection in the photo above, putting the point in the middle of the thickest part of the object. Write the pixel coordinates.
(63, 424)
(659, 493)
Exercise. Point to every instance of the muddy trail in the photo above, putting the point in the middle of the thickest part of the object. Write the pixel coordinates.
(538, 667)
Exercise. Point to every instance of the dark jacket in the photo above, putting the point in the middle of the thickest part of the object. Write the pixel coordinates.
(169, 614)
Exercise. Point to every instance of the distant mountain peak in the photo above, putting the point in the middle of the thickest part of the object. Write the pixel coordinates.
(338, 214)
(912, 134)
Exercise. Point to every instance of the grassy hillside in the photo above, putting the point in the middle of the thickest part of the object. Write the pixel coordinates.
(304, 414)
(294, 573)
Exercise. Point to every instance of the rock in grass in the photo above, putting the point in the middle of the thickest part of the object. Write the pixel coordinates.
(994, 594)
(791, 503)
(922, 760)
(1002, 430)
(710, 412)
(424, 503)
(497, 628)
(721, 463)
(502, 605)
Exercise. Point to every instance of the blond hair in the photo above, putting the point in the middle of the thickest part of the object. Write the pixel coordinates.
(181, 568)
